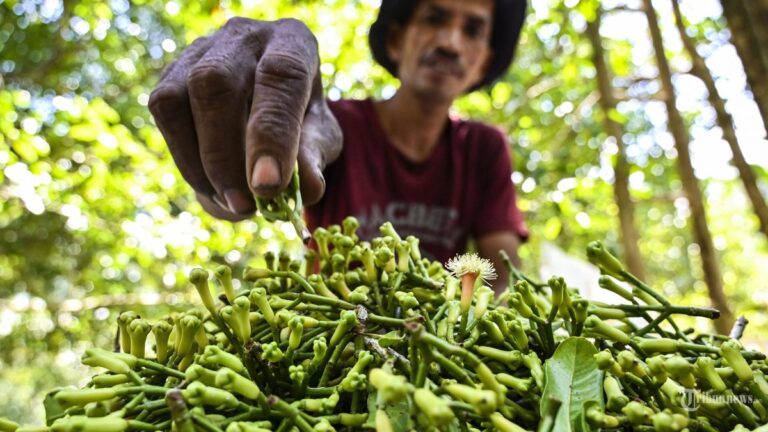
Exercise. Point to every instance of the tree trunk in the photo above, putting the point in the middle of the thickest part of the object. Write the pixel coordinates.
(679, 133)
(629, 236)
(725, 121)
(746, 21)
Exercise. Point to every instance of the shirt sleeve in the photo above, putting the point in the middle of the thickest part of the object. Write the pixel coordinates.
(497, 198)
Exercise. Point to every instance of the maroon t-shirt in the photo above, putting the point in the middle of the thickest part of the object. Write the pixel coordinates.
(463, 190)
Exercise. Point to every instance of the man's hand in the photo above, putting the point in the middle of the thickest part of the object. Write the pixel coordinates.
(240, 107)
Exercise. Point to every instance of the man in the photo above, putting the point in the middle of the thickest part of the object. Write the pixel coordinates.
(238, 109)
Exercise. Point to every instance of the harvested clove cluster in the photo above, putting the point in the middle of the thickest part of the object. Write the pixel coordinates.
(360, 335)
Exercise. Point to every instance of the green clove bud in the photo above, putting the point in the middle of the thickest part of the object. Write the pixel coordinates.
(138, 330)
(451, 288)
(520, 385)
(77, 423)
(580, 309)
(162, 331)
(249, 427)
(667, 421)
(391, 388)
(513, 359)
(318, 405)
(526, 291)
(532, 361)
(198, 393)
(519, 337)
(123, 320)
(108, 380)
(319, 349)
(241, 308)
(7, 425)
(84, 396)
(224, 276)
(483, 401)
(297, 374)
(406, 299)
(119, 364)
(403, 255)
(355, 379)
(283, 260)
(272, 352)
(483, 297)
(704, 368)
(230, 380)
(659, 345)
(616, 398)
(597, 327)
(680, 370)
(196, 372)
(517, 303)
(349, 226)
(339, 284)
(258, 296)
(731, 352)
(296, 324)
(199, 278)
(493, 331)
(359, 295)
(596, 417)
(214, 358)
(606, 362)
(610, 284)
(557, 285)
(347, 319)
(637, 413)
(190, 324)
(385, 259)
(608, 264)
(320, 287)
(657, 369)
(437, 409)
(415, 251)
(369, 263)
(502, 424)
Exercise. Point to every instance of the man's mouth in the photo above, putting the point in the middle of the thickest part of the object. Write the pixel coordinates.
(443, 64)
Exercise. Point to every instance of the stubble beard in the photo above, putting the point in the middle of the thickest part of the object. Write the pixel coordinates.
(433, 93)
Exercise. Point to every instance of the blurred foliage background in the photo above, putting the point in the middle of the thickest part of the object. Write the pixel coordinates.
(95, 219)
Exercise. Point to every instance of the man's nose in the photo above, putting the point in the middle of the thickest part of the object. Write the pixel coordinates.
(450, 38)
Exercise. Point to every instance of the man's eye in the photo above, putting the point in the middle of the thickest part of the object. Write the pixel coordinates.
(474, 31)
(433, 18)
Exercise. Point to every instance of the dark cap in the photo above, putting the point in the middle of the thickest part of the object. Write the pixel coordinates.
(508, 17)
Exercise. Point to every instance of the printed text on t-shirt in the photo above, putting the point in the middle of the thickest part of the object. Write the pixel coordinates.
(430, 223)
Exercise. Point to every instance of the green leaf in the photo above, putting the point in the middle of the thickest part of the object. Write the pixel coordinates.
(572, 376)
(399, 413)
(391, 339)
(53, 409)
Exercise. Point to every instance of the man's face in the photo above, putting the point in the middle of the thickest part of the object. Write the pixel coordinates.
(445, 47)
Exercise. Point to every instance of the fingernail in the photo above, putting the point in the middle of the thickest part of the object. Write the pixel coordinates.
(219, 202)
(322, 181)
(266, 173)
(238, 201)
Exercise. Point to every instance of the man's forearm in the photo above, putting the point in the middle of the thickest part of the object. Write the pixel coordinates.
(489, 247)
